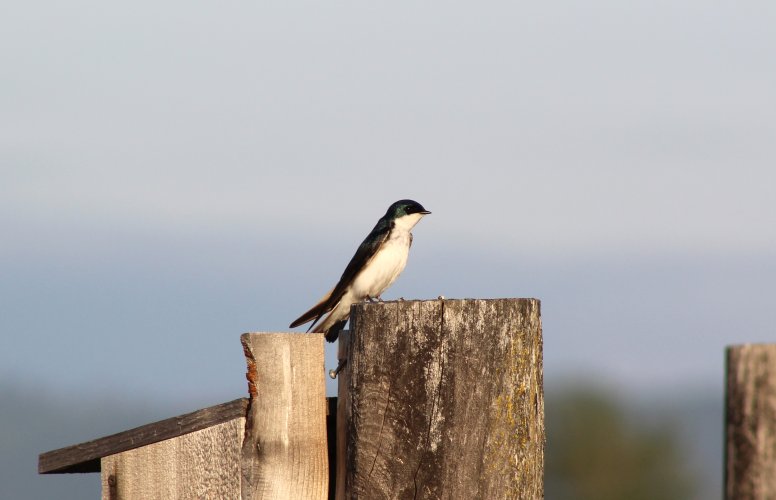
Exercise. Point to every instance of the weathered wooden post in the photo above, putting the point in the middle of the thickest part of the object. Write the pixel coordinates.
(750, 423)
(284, 454)
(446, 400)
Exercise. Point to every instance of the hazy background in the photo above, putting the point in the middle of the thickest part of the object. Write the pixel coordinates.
(174, 174)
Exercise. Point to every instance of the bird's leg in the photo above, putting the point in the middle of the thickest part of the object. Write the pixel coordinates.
(369, 298)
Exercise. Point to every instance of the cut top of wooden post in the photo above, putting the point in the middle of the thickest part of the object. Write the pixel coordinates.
(284, 453)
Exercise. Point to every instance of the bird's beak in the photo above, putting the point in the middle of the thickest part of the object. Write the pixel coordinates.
(425, 212)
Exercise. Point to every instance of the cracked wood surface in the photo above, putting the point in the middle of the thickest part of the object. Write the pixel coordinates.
(284, 454)
(750, 423)
(446, 400)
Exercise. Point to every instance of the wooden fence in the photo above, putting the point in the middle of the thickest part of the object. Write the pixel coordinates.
(437, 399)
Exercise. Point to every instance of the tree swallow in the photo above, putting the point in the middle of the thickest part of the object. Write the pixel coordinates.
(379, 260)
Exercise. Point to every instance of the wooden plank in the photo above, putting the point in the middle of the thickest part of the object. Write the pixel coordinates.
(203, 464)
(446, 400)
(85, 457)
(284, 454)
(343, 402)
(750, 422)
(331, 442)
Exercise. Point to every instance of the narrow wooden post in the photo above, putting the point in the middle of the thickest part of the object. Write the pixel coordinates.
(343, 405)
(750, 423)
(446, 400)
(284, 454)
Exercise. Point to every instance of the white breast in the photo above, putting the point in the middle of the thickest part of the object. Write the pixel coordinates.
(388, 263)
(384, 268)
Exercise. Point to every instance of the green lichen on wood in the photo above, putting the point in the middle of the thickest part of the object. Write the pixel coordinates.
(459, 405)
(511, 452)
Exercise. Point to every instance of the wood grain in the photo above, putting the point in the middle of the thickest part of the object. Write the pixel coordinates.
(446, 400)
(85, 457)
(750, 423)
(284, 454)
(343, 403)
(204, 464)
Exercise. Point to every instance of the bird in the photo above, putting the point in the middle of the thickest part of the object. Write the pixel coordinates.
(377, 263)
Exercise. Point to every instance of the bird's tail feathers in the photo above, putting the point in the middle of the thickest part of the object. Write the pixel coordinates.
(315, 312)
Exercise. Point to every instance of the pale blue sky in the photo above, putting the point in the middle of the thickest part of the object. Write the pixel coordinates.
(174, 174)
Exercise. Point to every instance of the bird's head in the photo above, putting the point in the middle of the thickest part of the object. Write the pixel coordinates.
(407, 213)
(403, 208)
